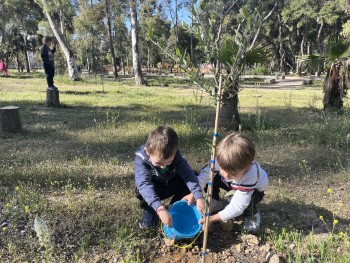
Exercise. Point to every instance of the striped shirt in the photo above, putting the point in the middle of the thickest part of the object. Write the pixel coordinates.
(255, 178)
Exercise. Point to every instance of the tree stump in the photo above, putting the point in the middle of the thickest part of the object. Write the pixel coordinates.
(10, 120)
(52, 98)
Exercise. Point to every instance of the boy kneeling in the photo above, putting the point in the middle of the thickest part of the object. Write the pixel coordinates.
(161, 172)
(236, 170)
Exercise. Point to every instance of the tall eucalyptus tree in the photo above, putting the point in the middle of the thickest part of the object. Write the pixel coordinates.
(136, 58)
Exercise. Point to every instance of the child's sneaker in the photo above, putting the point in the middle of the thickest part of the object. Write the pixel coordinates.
(216, 205)
(51, 88)
(252, 223)
(147, 220)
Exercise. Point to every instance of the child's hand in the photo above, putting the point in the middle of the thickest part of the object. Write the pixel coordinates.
(189, 198)
(200, 206)
(213, 218)
(202, 221)
(165, 217)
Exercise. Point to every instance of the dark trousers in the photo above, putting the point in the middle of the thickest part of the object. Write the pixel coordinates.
(175, 188)
(256, 196)
(50, 73)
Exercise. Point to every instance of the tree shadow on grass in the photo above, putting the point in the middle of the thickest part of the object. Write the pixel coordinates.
(298, 216)
(285, 214)
(72, 92)
(19, 76)
(52, 131)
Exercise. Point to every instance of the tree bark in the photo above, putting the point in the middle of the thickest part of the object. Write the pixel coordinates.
(3, 23)
(114, 62)
(25, 51)
(18, 63)
(10, 120)
(229, 113)
(302, 46)
(302, 54)
(319, 49)
(135, 44)
(280, 40)
(52, 98)
(71, 63)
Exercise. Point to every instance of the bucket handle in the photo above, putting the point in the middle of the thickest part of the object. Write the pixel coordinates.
(186, 246)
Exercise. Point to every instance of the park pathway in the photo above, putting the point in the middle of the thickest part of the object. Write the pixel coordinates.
(288, 83)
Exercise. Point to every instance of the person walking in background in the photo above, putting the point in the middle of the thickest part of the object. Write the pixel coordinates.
(47, 54)
(3, 67)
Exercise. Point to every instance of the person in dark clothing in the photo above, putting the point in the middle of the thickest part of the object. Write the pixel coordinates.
(47, 54)
(162, 172)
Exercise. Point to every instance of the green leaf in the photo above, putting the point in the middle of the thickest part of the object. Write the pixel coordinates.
(244, 12)
(178, 52)
(150, 34)
(257, 54)
(338, 49)
(227, 51)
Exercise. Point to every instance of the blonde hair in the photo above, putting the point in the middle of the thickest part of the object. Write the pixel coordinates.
(235, 153)
(163, 140)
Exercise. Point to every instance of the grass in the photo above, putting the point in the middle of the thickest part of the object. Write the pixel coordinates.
(72, 167)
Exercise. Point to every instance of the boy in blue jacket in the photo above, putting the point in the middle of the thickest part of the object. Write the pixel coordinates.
(162, 172)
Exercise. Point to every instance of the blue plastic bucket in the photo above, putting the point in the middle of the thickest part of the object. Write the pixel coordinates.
(185, 221)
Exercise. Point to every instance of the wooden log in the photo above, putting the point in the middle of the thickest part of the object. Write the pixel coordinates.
(10, 120)
(52, 98)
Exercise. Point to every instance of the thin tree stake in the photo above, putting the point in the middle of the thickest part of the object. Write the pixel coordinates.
(212, 169)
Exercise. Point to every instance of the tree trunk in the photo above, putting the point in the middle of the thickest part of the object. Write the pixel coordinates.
(114, 62)
(71, 63)
(3, 23)
(52, 98)
(302, 46)
(135, 44)
(319, 49)
(10, 120)
(229, 114)
(335, 87)
(302, 54)
(88, 65)
(148, 61)
(176, 24)
(62, 24)
(26, 54)
(27, 60)
(290, 47)
(18, 63)
(280, 40)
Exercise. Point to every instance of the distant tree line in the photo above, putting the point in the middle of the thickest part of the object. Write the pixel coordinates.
(97, 35)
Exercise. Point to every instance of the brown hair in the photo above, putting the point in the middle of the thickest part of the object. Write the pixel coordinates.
(47, 39)
(235, 153)
(163, 140)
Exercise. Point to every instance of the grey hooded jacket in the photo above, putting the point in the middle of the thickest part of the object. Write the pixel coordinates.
(146, 175)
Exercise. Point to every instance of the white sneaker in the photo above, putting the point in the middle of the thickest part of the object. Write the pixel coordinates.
(252, 223)
(216, 205)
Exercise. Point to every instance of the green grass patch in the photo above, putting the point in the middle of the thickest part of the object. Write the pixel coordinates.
(72, 166)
